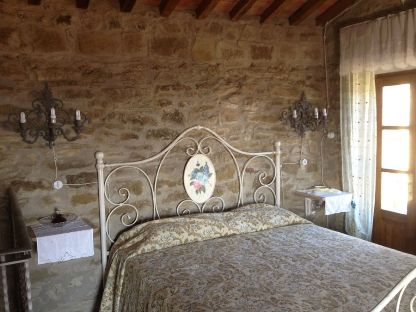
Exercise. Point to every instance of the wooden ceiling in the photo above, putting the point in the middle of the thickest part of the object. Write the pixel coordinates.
(296, 11)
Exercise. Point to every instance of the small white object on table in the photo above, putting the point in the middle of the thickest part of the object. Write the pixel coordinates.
(61, 243)
(336, 201)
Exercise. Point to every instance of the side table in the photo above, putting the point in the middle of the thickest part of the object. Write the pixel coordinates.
(332, 200)
(70, 241)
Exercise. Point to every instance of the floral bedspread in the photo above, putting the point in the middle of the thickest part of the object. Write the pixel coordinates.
(247, 259)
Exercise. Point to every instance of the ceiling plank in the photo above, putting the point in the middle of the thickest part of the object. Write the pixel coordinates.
(268, 12)
(127, 5)
(333, 11)
(304, 11)
(240, 8)
(166, 7)
(205, 8)
(83, 4)
(33, 2)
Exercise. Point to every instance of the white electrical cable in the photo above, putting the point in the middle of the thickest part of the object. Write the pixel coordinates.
(326, 72)
(322, 161)
(55, 161)
(325, 52)
(327, 84)
(57, 183)
(79, 184)
(300, 155)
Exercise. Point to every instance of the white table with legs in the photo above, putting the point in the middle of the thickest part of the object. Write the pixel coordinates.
(333, 200)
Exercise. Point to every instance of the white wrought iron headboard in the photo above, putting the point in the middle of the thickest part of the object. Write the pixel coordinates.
(268, 183)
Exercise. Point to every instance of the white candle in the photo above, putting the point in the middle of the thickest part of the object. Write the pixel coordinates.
(78, 115)
(53, 115)
(22, 118)
(324, 113)
(294, 114)
(316, 112)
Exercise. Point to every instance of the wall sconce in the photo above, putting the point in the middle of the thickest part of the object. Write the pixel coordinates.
(302, 117)
(48, 119)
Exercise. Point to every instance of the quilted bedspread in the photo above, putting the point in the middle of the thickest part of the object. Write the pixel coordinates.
(248, 259)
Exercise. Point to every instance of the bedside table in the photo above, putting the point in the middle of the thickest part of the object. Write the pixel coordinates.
(332, 200)
(72, 240)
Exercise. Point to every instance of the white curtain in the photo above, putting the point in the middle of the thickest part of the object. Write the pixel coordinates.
(387, 44)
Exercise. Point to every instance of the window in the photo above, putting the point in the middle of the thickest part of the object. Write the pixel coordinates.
(395, 131)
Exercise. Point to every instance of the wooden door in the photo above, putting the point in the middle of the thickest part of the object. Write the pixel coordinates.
(395, 211)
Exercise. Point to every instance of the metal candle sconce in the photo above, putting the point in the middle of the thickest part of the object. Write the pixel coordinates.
(302, 117)
(48, 119)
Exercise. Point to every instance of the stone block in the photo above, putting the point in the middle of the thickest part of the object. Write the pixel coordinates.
(81, 178)
(162, 133)
(46, 40)
(204, 49)
(83, 199)
(285, 51)
(259, 52)
(9, 38)
(174, 116)
(230, 53)
(128, 136)
(11, 68)
(134, 43)
(64, 19)
(99, 43)
(30, 186)
(169, 45)
(215, 28)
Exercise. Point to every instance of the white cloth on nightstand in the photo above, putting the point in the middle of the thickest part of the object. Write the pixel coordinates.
(71, 241)
(338, 203)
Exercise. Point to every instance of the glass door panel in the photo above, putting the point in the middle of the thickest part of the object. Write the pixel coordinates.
(396, 105)
(394, 192)
(395, 149)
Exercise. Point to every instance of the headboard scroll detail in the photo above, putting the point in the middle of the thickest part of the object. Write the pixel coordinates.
(110, 206)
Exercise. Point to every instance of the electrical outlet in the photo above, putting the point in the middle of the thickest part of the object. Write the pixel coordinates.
(331, 135)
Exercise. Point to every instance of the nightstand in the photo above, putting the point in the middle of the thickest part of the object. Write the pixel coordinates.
(61, 243)
(331, 200)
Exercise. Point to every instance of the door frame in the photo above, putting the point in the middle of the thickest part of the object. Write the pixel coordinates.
(380, 215)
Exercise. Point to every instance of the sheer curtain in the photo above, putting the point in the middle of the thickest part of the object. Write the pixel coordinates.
(383, 45)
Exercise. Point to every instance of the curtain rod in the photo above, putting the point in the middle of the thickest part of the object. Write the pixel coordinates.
(373, 17)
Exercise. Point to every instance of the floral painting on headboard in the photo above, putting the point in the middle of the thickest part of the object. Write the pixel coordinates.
(199, 178)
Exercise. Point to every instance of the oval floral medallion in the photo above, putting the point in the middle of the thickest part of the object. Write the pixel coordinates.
(199, 178)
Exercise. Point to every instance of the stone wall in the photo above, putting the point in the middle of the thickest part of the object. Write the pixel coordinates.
(142, 79)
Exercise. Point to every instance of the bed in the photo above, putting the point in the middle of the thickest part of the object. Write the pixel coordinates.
(219, 255)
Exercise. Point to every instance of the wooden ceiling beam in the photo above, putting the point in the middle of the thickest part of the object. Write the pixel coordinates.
(241, 8)
(305, 11)
(333, 11)
(127, 5)
(270, 10)
(205, 8)
(33, 2)
(82, 4)
(166, 7)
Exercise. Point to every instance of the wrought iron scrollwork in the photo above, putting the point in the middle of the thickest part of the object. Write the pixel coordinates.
(122, 205)
(303, 117)
(127, 220)
(39, 122)
(258, 195)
